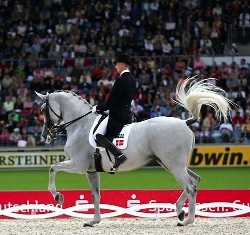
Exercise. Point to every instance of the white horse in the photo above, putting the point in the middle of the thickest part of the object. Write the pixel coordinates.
(167, 140)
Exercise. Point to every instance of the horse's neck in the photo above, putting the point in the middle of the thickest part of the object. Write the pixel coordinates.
(73, 107)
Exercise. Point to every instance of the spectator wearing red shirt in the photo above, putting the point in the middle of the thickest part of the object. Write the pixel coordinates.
(140, 96)
(5, 137)
(96, 73)
(238, 121)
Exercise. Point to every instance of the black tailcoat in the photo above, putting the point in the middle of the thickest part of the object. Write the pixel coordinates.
(118, 103)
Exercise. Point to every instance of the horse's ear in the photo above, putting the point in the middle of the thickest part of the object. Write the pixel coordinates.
(43, 97)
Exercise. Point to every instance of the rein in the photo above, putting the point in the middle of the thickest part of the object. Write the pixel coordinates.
(59, 127)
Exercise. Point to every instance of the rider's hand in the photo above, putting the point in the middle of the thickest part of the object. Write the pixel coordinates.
(94, 109)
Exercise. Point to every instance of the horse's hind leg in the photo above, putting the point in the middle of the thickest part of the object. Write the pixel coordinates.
(94, 182)
(180, 202)
(182, 176)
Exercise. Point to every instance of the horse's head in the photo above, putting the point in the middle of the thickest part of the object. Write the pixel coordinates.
(52, 116)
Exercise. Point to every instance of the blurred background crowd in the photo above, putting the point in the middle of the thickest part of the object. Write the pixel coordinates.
(48, 45)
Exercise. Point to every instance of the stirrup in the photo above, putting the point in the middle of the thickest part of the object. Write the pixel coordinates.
(118, 161)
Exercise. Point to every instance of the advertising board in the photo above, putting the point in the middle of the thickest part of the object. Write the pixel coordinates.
(201, 156)
(122, 203)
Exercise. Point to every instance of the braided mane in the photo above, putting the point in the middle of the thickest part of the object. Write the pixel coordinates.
(74, 94)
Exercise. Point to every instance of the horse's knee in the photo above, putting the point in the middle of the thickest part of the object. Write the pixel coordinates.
(191, 190)
(51, 169)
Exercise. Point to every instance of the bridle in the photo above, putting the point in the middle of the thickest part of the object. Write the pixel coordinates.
(54, 128)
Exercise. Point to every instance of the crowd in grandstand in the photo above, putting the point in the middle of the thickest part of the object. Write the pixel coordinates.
(48, 45)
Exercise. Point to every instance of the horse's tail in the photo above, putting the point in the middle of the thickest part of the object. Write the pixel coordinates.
(192, 94)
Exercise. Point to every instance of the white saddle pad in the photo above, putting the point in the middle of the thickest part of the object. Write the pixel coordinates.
(120, 142)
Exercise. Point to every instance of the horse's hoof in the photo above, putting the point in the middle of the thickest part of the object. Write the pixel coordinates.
(87, 225)
(181, 216)
(91, 223)
(59, 198)
(180, 224)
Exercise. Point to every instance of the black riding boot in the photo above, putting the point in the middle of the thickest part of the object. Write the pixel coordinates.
(106, 143)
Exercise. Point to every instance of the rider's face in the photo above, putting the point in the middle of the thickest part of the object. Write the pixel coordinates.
(120, 66)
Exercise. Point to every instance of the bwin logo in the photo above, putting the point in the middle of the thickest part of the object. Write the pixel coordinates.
(221, 158)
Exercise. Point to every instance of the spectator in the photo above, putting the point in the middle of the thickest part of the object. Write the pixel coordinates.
(15, 136)
(144, 77)
(21, 29)
(28, 139)
(240, 99)
(245, 138)
(28, 103)
(5, 137)
(244, 19)
(123, 30)
(198, 64)
(170, 25)
(155, 112)
(208, 122)
(15, 116)
(238, 121)
(232, 78)
(166, 108)
(180, 65)
(196, 134)
(149, 43)
(7, 82)
(60, 29)
(137, 109)
(166, 46)
(226, 130)
(84, 86)
(186, 38)
(140, 96)
(242, 78)
(217, 10)
(18, 106)
(8, 105)
(206, 45)
(39, 140)
(243, 64)
(158, 37)
(204, 135)
(104, 81)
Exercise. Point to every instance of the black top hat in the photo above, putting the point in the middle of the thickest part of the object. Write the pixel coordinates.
(122, 58)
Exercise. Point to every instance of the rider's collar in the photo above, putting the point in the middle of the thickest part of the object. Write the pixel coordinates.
(124, 71)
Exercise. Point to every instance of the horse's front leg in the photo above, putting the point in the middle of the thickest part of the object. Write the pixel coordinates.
(94, 182)
(66, 166)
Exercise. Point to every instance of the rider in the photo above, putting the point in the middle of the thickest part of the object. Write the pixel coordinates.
(118, 104)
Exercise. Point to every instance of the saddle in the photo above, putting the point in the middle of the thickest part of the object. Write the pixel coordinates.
(131, 119)
(120, 141)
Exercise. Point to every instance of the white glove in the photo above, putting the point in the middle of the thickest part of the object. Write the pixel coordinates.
(94, 109)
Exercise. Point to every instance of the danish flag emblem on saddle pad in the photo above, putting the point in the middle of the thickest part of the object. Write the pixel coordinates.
(119, 142)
